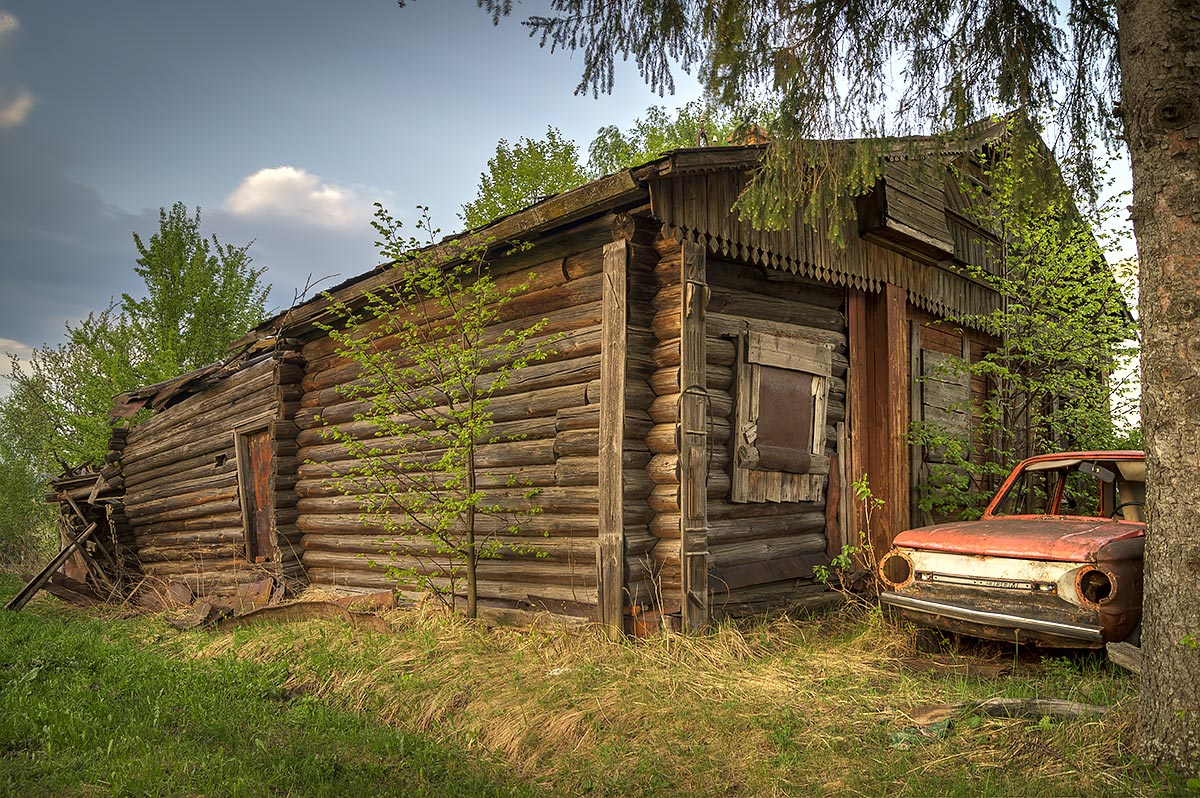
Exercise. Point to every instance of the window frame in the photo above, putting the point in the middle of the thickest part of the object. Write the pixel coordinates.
(757, 348)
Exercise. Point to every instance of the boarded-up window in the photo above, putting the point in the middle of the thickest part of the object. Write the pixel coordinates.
(782, 391)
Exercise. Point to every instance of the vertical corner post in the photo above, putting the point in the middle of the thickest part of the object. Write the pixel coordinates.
(613, 357)
(693, 438)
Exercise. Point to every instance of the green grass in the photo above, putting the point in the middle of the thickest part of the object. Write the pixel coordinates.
(87, 710)
(444, 706)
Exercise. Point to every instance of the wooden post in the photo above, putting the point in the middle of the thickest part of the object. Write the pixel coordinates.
(693, 439)
(613, 326)
(879, 406)
(917, 453)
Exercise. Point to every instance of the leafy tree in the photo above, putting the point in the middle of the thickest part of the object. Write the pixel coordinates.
(655, 133)
(861, 68)
(519, 175)
(433, 353)
(1064, 331)
(199, 297)
(26, 520)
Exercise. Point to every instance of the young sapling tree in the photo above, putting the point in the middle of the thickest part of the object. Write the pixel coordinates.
(433, 352)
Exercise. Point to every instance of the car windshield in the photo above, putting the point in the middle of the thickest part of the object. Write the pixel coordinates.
(1078, 487)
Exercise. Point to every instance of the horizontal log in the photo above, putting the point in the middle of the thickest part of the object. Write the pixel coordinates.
(666, 380)
(195, 498)
(487, 589)
(531, 378)
(724, 555)
(551, 346)
(543, 524)
(241, 383)
(486, 478)
(730, 325)
(507, 547)
(217, 582)
(785, 310)
(220, 506)
(638, 395)
(498, 572)
(577, 443)
(143, 495)
(184, 458)
(573, 500)
(571, 258)
(168, 538)
(231, 568)
(193, 553)
(492, 455)
(664, 498)
(533, 404)
(775, 282)
(738, 530)
(415, 443)
(216, 521)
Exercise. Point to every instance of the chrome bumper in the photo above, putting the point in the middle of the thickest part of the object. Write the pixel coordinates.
(1091, 634)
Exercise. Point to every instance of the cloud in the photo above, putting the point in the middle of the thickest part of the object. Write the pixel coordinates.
(16, 111)
(288, 192)
(8, 24)
(10, 347)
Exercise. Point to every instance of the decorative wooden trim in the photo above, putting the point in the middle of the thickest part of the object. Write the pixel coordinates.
(693, 438)
(613, 330)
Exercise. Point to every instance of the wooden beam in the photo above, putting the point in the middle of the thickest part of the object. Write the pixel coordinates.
(613, 358)
(693, 438)
(26, 593)
(879, 407)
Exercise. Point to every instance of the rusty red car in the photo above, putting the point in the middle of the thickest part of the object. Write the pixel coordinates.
(1055, 560)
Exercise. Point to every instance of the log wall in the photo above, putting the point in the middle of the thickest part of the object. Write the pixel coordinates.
(761, 554)
(552, 406)
(180, 474)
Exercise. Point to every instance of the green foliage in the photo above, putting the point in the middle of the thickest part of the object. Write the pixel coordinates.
(654, 133)
(199, 297)
(1056, 379)
(95, 707)
(441, 706)
(433, 350)
(856, 563)
(858, 71)
(519, 175)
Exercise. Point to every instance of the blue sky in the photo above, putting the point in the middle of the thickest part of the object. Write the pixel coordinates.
(283, 119)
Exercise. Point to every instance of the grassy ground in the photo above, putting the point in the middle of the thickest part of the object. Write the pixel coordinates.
(90, 706)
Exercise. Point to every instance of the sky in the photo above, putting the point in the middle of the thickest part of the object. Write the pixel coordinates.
(284, 120)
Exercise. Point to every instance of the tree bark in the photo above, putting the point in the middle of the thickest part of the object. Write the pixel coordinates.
(1160, 62)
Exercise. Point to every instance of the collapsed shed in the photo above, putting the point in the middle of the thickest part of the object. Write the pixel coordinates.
(709, 393)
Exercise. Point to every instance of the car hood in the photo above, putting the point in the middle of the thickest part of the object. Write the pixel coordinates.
(1031, 538)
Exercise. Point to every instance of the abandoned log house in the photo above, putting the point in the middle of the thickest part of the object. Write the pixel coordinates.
(711, 391)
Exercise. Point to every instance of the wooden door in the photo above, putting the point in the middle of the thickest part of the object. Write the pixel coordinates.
(255, 469)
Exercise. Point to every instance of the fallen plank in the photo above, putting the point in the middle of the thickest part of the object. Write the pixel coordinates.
(309, 611)
(1127, 655)
(26, 593)
(1007, 708)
